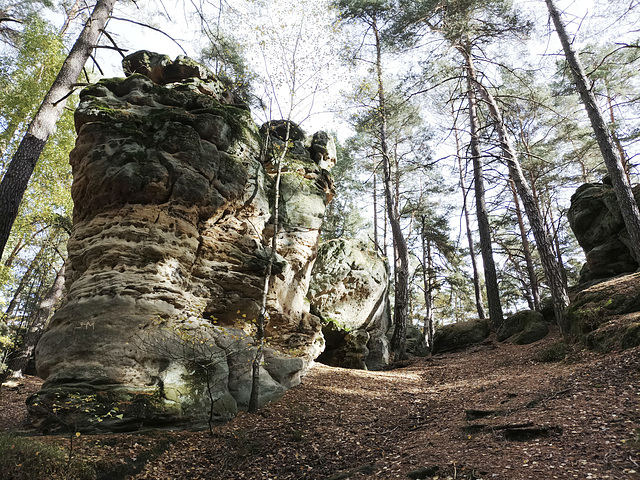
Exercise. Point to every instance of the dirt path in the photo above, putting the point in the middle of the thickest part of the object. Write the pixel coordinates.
(491, 413)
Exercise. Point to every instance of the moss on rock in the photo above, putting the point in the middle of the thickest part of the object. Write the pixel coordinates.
(460, 335)
(523, 328)
(605, 316)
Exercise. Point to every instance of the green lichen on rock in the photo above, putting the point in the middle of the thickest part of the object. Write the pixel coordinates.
(460, 335)
(171, 228)
(605, 315)
(523, 328)
(619, 333)
(94, 408)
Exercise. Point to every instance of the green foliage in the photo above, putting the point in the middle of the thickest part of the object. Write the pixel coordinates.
(461, 22)
(363, 10)
(37, 245)
(14, 13)
(226, 56)
(25, 77)
(27, 459)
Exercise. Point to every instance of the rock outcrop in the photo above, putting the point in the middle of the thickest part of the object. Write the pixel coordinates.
(173, 189)
(348, 291)
(596, 221)
(415, 343)
(460, 335)
(523, 328)
(606, 316)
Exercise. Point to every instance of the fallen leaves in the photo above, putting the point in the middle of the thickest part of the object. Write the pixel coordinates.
(348, 424)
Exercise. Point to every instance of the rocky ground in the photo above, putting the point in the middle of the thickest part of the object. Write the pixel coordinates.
(493, 412)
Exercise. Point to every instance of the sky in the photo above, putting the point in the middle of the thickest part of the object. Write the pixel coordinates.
(184, 28)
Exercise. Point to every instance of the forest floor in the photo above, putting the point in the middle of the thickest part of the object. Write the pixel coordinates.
(489, 412)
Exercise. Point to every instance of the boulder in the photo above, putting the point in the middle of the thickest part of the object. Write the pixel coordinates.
(415, 344)
(596, 221)
(348, 291)
(167, 259)
(460, 335)
(523, 328)
(606, 316)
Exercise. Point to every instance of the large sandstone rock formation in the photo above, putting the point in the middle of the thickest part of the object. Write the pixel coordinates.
(348, 290)
(596, 221)
(172, 192)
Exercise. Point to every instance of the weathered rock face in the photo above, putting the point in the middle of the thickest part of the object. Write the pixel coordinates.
(168, 255)
(460, 335)
(596, 221)
(523, 328)
(606, 316)
(415, 342)
(348, 290)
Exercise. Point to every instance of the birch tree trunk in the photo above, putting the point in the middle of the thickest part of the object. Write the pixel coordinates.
(16, 178)
(254, 397)
(615, 168)
(427, 281)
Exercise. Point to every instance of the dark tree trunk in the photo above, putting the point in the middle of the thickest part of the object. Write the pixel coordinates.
(552, 272)
(401, 297)
(531, 270)
(18, 360)
(472, 250)
(16, 178)
(496, 316)
(615, 168)
(375, 214)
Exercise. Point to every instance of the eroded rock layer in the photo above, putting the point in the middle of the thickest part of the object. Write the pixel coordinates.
(348, 291)
(596, 221)
(172, 192)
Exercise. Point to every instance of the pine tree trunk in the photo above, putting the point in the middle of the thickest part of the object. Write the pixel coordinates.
(16, 178)
(531, 271)
(18, 360)
(401, 303)
(427, 281)
(614, 137)
(472, 250)
(619, 180)
(552, 272)
(556, 241)
(375, 214)
(496, 316)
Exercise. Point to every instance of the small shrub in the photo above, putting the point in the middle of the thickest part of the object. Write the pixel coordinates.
(23, 458)
(556, 352)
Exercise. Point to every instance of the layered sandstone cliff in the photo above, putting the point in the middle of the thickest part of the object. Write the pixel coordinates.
(173, 189)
